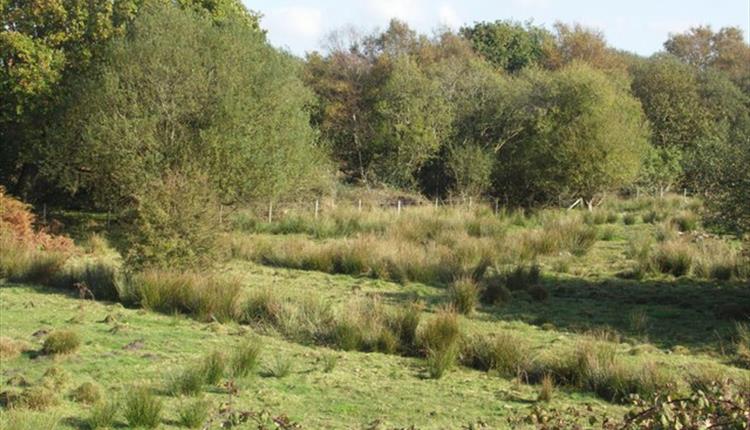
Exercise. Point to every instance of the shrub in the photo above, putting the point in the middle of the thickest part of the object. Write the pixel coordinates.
(102, 414)
(214, 367)
(506, 353)
(188, 382)
(61, 342)
(674, 257)
(280, 367)
(142, 408)
(245, 358)
(88, 393)
(194, 414)
(464, 295)
(546, 389)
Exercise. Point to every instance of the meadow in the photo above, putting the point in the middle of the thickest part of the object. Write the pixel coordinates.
(377, 318)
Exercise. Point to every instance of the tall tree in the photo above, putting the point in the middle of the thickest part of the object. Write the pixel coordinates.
(510, 45)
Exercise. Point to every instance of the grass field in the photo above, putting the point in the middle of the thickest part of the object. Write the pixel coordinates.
(606, 288)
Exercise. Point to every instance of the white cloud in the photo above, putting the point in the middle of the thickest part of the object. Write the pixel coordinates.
(294, 22)
(449, 16)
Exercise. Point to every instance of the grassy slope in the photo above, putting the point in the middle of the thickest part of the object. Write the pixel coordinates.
(363, 388)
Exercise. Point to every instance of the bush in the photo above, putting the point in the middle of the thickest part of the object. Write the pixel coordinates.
(102, 414)
(142, 408)
(194, 414)
(172, 224)
(88, 393)
(245, 358)
(61, 342)
(506, 353)
(464, 295)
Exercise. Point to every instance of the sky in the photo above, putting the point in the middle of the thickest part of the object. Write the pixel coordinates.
(639, 26)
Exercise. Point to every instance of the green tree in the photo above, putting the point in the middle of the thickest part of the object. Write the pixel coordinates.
(583, 135)
(178, 91)
(510, 45)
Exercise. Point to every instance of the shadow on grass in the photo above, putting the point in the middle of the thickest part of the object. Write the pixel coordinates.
(700, 315)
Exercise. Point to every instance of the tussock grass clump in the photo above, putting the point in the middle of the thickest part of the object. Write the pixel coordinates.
(685, 221)
(103, 414)
(203, 296)
(742, 345)
(522, 277)
(214, 367)
(538, 293)
(39, 398)
(329, 362)
(88, 393)
(404, 321)
(715, 259)
(546, 389)
(245, 357)
(673, 257)
(26, 420)
(439, 339)
(187, 382)
(464, 295)
(494, 291)
(61, 342)
(11, 348)
(142, 408)
(193, 414)
(101, 278)
(505, 353)
(31, 266)
(607, 233)
(280, 367)
(262, 306)
(629, 219)
(363, 326)
(558, 235)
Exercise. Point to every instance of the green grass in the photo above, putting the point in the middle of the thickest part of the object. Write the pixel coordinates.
(572, 337)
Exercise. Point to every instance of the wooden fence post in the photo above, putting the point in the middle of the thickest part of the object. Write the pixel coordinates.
(270, 211)
(317, 207)
(359, 205)
(399, 207)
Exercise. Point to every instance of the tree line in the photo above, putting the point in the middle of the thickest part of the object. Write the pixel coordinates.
(141, 106)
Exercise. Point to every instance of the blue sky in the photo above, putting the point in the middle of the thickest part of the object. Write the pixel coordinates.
(640, 26)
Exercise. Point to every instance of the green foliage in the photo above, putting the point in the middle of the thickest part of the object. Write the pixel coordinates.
(214, 367)
(280, 367)
(439, 339)
(588, 121)
(61, 342)
(509, 45)
(505, 353)
(188, 382)
(88, 393)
